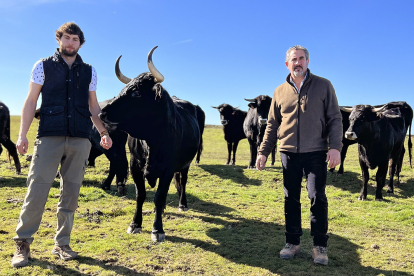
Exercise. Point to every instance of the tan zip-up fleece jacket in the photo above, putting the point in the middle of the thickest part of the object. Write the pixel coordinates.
(306, 122)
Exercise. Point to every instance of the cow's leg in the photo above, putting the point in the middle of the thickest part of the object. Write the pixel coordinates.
(141, 194)
(253, 154)
(273, 156)
(122, 174)
(180, 184)
(160, 198)
(229, 146)
(380, 178)
(235, 145)
(365, 178)
(399, 165)
(106, 185)
(343, 156)
(93, 154)
(11, 147)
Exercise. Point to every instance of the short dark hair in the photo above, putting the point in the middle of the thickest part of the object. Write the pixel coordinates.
(70, 28)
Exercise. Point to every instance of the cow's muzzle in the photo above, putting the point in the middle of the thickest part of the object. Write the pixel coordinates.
(262, 121)
(350, 135)
(224, 122)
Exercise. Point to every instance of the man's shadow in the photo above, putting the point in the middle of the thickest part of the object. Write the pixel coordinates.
(257, 244)
(64, 270)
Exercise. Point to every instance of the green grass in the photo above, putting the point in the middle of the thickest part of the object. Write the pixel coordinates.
(235, 225)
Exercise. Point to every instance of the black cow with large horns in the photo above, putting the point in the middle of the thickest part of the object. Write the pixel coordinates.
(167, 137)
(232, 120)
(254, 126)
(380, 133)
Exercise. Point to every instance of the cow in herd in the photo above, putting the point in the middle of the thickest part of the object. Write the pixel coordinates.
(254, 126)
(167, 138)
(238, 125)
(380, 133)
(232, 120)
(5, 136)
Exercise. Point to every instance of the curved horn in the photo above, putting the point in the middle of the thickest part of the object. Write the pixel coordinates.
(250, 100)
(215, 107)
(346, 109)
(377, 109)
(157, 75)
(118, 73)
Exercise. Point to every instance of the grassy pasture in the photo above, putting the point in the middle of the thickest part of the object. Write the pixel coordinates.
(235, 225)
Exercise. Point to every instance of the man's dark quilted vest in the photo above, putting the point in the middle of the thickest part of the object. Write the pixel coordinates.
(65, 98)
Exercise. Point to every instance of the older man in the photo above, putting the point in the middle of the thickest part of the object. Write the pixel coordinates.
(306, 119)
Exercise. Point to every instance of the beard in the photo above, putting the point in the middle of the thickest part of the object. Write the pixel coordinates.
(298, 73)
(69, 53)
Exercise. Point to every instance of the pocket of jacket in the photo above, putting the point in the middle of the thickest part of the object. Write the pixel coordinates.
(52, 119)
(83, 120)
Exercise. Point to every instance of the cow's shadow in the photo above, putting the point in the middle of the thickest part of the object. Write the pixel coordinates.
(266, 239)
(233, 173)
(352, 182)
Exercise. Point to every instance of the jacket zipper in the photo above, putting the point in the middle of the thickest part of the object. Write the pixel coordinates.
(77, 79)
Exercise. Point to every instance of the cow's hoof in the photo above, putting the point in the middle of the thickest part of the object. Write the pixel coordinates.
(361, 198)
(133, 229)
(122, 190)
(157, 237)
(339, 174)
(390, 192)
(379, 199)
(182, 209)
(105, 188)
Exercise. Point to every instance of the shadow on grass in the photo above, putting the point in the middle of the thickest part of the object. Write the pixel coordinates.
(233, 173)
(352, 182)
(257, 244)
(105, 265)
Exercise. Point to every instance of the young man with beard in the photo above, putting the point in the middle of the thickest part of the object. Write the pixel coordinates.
(69, 107)
(306, 119)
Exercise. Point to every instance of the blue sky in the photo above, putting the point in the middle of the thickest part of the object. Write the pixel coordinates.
(214, 52)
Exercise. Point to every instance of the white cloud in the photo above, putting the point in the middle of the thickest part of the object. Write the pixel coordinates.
(184, 41)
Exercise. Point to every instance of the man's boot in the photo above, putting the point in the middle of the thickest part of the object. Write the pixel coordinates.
(319, 255)
(22, 254)
(64, 252)
(289, 251)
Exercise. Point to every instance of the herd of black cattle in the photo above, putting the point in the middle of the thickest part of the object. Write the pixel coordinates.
(164, 134)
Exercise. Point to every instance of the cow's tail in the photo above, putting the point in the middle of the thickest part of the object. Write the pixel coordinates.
(410, 145)
(201, 118)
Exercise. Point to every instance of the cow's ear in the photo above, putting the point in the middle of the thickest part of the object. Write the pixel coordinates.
(252, 105)
(158, 90)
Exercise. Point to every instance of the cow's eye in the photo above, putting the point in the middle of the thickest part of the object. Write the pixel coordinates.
(136, 94)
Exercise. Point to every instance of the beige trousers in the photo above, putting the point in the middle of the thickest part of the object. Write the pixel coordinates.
(72, 154)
